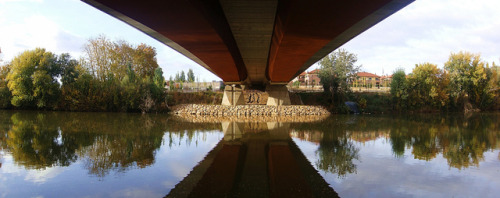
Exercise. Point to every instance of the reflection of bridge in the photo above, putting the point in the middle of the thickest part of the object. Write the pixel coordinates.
(257, 43)
(254, 160)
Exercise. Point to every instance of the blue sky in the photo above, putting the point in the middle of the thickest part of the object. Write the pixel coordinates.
(424, 31)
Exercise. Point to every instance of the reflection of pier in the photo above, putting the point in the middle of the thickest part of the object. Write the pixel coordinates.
(254, 160)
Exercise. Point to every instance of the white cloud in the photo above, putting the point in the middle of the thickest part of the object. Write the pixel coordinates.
(428, 31)
(36, 31)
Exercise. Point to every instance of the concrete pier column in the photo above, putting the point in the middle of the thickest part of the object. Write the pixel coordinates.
(278, 95)
(233, 95)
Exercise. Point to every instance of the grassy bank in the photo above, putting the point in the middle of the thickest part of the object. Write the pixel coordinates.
(206, 97)
(368, 102)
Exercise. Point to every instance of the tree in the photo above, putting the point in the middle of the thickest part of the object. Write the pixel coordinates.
(158, 78)
(428, 86)
(144, 60)
(5, 95)
(32, 79)
(190, 76)
(69, 68)
(468, 78)
(336, 70)
(177, 77)
(398, 87)
(108, 60)
(182, 77)
(98, 53)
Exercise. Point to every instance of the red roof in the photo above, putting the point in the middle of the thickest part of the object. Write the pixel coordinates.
(302, 74)
(314, 71)
(366, 74)
(389, 76)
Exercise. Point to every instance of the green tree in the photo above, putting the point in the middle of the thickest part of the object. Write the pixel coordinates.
(32, 79)
(5, 95)
(182, 77)
(177, 77)
(468, 78)
(69, 68)
(427, 86)
(398, 88)
(158, 78)
(190, 76)
(336, 70)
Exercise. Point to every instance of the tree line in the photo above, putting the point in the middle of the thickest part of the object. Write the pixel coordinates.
(465, 83)
(184, 77)
(111, 76)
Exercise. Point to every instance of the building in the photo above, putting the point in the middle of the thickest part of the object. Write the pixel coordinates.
(386, 81)
(308, 78)
(312, 77)
(365, 79)
(194, 86)
(300, 78)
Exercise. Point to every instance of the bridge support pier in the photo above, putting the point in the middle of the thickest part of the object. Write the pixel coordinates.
(278, 95)
(233, 95)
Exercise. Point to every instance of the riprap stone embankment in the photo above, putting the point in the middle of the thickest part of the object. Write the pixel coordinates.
(249, 110)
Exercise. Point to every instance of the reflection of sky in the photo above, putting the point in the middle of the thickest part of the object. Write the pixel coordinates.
(380, 174)
(171, 165)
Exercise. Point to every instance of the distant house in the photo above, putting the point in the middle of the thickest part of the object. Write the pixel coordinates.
(308, 78)
(386, 81)
(365, 79)
(312, 77)
(194, 86)
(301, 78)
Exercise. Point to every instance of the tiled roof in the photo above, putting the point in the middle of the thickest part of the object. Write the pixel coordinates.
(314, 71)
(366, 74)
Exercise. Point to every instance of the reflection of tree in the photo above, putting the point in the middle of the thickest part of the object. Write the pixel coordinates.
(118, 153)
(425, 145)
(36, 146)
(461, 140)
(336, 155)
(336, 151)
(105, 142)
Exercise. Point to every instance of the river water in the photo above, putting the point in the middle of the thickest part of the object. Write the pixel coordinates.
(60, 154)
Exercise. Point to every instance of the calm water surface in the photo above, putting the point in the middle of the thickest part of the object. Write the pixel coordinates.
(54, 154)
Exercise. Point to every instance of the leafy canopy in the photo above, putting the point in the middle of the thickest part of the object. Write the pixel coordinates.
(336, 70)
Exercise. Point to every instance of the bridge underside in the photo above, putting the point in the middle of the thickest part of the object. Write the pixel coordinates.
(252, 41)
(255, 43)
